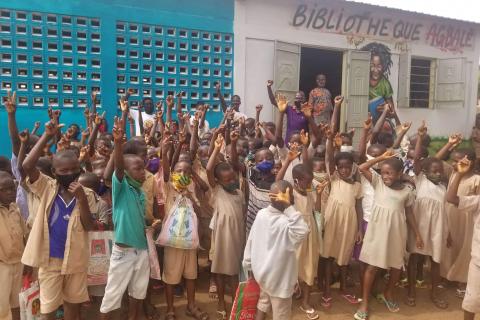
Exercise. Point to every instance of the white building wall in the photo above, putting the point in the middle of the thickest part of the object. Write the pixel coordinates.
(258, 23)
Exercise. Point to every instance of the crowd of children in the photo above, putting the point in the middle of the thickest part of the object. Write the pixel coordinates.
(292, 211)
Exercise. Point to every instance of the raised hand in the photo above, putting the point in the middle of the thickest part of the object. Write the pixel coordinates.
(455, 139)
(11, 102)
(36, 126)
(388, 154)
(337, 141)
(283, 197)
(118, 131)
(94, 96)
(293, 152)
(130, 119)
(23, 136)
(259, 108)
(282, 103)
(169, 101)
(76, 189)
(85, 134)
(422, 130)
(406, 126)
(52, 127)
(84, 153)
(304, 137)
(338, 100)
(269, 83)
(124, 105)
(367, 124)
(217, 86)
(180, 94)
(234, 135)
(219, 142)
(463, 166)
(159, 105)
(307, 109)
(99, 119)
(321, 186)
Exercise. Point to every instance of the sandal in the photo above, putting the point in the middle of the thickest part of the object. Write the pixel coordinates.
(311, 313)
(196, 313)
(360, 315)
(222, 315)
(421, 284)
(411, 302)
(460, 293)
(392, 306)
(440, 303)
(326, 302)
(351, 298)
(170, 316)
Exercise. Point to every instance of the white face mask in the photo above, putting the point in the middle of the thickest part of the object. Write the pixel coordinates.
(346, 149)
(376, 166)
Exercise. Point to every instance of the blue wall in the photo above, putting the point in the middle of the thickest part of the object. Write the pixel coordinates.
(194, 39)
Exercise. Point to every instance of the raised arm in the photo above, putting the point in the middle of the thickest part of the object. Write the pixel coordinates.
(282, 108)
(140, 119)
(36, 126)
(94, 135)
(293, 153)
(305, 143)
(393, 111)
(194, 135)
(329, 150)
(11, 107)
(453, 141)
(234, 135)
(178, 109)
(118, 134)
(379, 124)
(258, 110)
(271, 96)
(94, 102)
(463, 166)
(125, 112)
(315, 131)
(23, 136)
(421, 133)
(29, 165)
(403, 131)
(169, 102)
(362, 145)
(336, 113)
(365, 167)
(212, 161)
(223, 103)
(166, 146)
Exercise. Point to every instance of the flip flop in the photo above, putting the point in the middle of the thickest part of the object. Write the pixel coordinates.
(360, 315)
(392, 306)
(440, 303)
(460, 293)
(196, 313)
(326, 302)
(221, 315)
(311, 313)
(352, 299)
(411, 302)
(421, 284)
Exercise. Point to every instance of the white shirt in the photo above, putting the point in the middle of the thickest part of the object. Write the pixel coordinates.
(237, 115)
(203, 130)
(368, 196)
(472, 203)
(145, 117)
(270, 252)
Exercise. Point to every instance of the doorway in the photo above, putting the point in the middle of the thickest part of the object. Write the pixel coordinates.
(314, 61)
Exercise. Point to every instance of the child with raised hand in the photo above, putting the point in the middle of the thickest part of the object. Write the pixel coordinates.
(471, 203)
(270, 255)
(429, 211)
(343, 215)
(306, 201)
(12, 239)
(228, 223)
(179, 263)
(456, 257)
(64, 213)
(384, 243)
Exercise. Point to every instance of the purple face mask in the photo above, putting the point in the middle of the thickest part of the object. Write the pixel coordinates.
(153, 165)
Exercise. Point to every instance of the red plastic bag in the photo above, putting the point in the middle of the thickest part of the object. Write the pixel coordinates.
(246, 299)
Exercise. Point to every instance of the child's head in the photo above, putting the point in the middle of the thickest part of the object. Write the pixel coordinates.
(181, 176)
(183, 168)
(276, 167)
(8, 190)
(206, 138)
(344, 163)
(44, 165)
(147, 104)
(391, 171)
(425, 141)
(202, 154)
(185, 156)
(5, 165)
(90, 180)
(264, 161)
(459, 154)
(385, 139)
(321, 80)
(411, 153)
(236, 101)
(250, 127)
(153, 161)
(303, 177)
(74, 131)
(226, 177)
(433, 169)
(299, 99)
(376, 150)
(318, 164)
(295, 138)
(103, 146)
(271, 126)
(255, 144)
(134, 167)
(65, 167)
(136, 146)
(278, 188)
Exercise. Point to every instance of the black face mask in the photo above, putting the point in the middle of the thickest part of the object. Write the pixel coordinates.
(66, 179)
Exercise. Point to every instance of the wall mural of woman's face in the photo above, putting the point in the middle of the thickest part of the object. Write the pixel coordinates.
(376, 68)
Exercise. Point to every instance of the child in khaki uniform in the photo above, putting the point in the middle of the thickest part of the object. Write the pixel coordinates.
(12, 232)
(471, 302)
(58, 241)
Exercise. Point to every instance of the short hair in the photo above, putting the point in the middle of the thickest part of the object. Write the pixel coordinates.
(5, 164)
(428, 162)
(134, 145)
(221, 167)
(65, 155)
(5, 175)
(282, 185)
(395, 163)
(466, 152)
(301, 171)
(343, 156)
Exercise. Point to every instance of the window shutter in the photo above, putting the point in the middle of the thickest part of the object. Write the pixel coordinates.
(403, 94)
(450, 83)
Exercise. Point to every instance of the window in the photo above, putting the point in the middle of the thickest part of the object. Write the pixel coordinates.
(420, 81)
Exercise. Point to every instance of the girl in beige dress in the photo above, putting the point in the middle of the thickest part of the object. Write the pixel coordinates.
(228, 222)
(384, 243)
(429, 211)
(306, 201)
(457, 254)
(343, 213)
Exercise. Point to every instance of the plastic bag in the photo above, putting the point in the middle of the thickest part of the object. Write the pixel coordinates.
(100, 250)
(180, 229)
(245, 303)
(152, 255)
(29, 300)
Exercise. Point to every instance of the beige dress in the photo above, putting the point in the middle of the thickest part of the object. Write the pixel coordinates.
(384, 243)
(341, 224)
(228, 231)
(455, 260)
(308, 252)
(429, 211)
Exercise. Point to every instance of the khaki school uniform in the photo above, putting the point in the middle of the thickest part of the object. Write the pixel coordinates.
(12, 233)
(60, 279)
(149, 187)
(177, 263)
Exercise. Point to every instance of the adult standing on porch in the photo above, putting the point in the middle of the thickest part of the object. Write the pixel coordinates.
(321, 100)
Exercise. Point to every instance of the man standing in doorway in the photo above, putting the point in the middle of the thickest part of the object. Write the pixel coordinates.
(321, 100)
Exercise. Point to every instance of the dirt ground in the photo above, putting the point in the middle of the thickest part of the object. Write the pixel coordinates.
(340, 309)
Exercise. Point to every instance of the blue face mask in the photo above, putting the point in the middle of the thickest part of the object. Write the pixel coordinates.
(265, 166)
(102, 189)
(153, 165)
